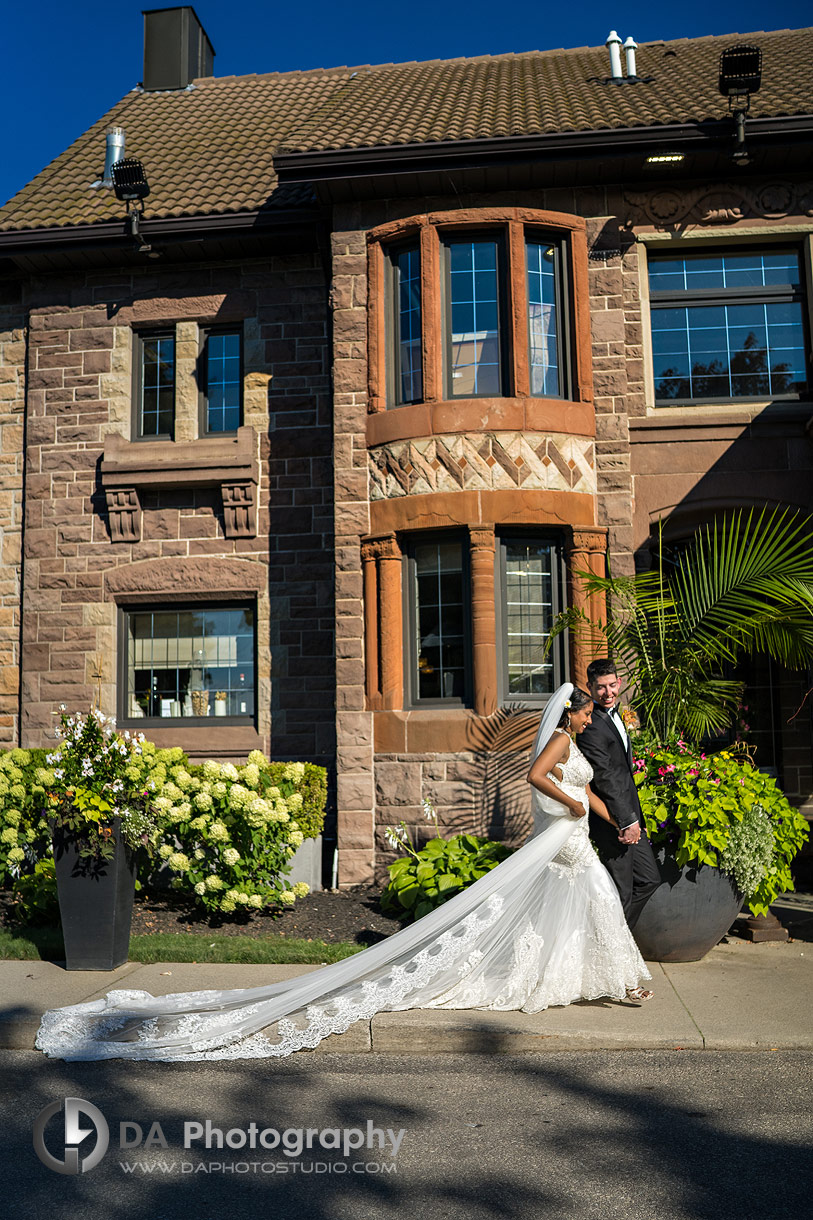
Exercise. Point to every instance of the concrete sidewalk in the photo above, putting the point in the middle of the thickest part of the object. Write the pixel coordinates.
(741, 996)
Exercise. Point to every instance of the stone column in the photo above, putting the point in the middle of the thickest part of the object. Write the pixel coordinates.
(586, 551)
(484, 625)
(369, 562)
(390, 622)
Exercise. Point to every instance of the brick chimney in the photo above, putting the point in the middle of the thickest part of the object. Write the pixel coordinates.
(176, 48)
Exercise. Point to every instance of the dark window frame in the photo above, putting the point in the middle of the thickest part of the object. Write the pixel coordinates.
(393, 321)
(560, 650)
(206, 333)
(564, 337)
(412, 700)
(759, 294)
(505, 322)
(124, 719)
(139, 337)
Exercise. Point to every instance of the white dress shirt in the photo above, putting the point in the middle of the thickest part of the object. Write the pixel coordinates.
(618, 724)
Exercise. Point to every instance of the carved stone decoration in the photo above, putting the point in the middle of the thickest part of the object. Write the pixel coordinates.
(721, 203)
(483, 462)
(124, 514)
(239, 509)
(232, 464)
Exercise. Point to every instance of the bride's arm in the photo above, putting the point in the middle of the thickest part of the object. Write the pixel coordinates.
(597, 805)
(554, 752)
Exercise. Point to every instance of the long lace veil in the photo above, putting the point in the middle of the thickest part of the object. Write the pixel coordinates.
(471, 939)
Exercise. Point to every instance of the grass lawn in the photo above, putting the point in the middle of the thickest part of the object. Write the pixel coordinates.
(45, 944)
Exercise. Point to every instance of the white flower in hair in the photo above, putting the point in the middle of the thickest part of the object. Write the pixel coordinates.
(568, 703)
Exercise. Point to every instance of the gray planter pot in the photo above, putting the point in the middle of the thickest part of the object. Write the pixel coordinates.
(95, 903)
(688, 915)
(306, 864)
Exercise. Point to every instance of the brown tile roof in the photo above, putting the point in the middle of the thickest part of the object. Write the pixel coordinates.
(550, 92)
(209, 150)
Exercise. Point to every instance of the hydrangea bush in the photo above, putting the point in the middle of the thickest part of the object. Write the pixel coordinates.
(231, 831)
(719, 809)
(226, 833)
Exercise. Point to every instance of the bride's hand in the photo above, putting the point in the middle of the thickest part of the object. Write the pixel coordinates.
(577, 810)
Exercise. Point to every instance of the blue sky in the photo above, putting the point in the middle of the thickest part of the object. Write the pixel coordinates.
(65, 64)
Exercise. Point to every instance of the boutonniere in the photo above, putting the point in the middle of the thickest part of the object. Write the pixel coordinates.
(629, 719)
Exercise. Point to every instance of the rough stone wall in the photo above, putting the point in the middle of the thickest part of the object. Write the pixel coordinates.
(80, 389)
(485, 790)
(12, 410)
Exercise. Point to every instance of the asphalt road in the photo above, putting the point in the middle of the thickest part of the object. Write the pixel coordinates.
(710, 1135)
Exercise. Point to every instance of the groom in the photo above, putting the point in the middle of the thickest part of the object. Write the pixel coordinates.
(626, 853)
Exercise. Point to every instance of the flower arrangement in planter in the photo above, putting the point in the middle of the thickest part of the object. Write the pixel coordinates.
(90, 783)
(424, 879)
(720, 810)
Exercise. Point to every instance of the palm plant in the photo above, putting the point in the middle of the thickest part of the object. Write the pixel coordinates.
(743, 584)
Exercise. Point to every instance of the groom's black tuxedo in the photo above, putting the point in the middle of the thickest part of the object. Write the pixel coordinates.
(632, 866)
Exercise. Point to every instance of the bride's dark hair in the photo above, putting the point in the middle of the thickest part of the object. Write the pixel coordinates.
(578, 700)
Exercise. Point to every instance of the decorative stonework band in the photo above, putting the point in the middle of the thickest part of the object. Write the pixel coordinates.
(483, 462)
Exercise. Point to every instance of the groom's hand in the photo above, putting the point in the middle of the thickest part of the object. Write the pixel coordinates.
(630, 834)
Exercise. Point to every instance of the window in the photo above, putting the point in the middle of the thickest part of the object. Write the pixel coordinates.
(406, 264)
(529, 590)
(458, 312)
(530, 584)
(544, 356)
(728, 326)
(437, 617)
(221, 381)
(474, 358)
(155, 386)
(189, 662)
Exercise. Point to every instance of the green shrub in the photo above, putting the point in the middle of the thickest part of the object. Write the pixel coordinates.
(425, 879)
(720, 810)
(227, 833)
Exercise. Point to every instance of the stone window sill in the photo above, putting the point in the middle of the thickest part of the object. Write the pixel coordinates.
(479, 415)
(130, 467)
(454, 731)
(206, 741)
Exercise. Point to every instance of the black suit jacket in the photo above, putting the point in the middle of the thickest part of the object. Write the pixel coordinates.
(612, 779)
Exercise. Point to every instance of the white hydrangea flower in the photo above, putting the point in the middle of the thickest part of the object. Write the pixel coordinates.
(199, 853)
(228, 905)
(202, 801)
(238, 795)
(231, 855)
(296, 838)
(255, 901)
(218, 832)
(219, 790)
(251, 775)
(211, 769)
(178, 862)
(16, 855)
(214, 883)
(165, 851)
(301, 888)
(200, 888)
(287, 898)
(9, 835)
(258, 758)
(229, 771)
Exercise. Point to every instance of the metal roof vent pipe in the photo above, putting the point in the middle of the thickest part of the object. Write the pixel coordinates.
(630, 47)
(176, 48)
(114, 151)
(613, 45)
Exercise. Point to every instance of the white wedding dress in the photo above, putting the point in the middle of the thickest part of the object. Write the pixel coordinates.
(544, 927)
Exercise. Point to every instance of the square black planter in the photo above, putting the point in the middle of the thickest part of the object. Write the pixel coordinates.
(95, 902)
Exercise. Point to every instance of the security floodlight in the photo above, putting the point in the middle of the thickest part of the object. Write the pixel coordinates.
(131, 187)
(740, 76)
(740, 71)
(129, 180)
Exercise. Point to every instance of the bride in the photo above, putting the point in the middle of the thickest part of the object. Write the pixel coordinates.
(544, 927)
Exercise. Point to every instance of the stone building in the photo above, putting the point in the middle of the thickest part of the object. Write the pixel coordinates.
(308, 456)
